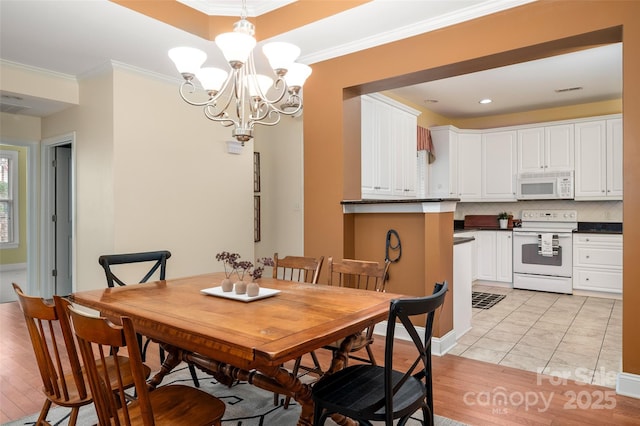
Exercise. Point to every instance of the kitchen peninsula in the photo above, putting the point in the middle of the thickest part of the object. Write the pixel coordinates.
(425, 232)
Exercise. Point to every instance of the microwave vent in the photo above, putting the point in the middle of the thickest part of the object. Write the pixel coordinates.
(546, 174)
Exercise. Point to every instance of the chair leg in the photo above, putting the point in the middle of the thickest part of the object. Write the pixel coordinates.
(43, 412)
(74, 416)
(296, 368)
(370, 353)
(194, 376)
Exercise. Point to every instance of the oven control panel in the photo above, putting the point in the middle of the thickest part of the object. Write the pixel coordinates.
(549, 216)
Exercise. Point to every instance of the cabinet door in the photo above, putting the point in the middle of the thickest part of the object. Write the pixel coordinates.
(469, 168)
(614, 158)
(559, 148)
(443, 173)
(486, 255)
(376, 152)
(590, 160)
(499, 166)
(368, 146)
(404, 152)
(504, 256)
(531, 150)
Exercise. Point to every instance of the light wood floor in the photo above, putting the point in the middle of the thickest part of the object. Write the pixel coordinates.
(466, 390)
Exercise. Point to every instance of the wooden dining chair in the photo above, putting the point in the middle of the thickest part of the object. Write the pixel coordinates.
(297, 268)
(367, 393)
(173, 405)
(364, 275)
(63, 377)
(134, 264)
(301, 269)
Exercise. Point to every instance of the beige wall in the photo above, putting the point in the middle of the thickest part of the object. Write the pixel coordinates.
(519, 34)
(153, 173)
(281, 188)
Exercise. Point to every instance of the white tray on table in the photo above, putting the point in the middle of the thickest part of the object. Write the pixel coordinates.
(217, 291)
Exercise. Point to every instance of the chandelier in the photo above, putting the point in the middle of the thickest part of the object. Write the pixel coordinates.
(239, 97)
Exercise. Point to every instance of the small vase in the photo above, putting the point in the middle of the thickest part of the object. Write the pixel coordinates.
(240, 287)
(503, 223)
(253, 289)
(227, 285)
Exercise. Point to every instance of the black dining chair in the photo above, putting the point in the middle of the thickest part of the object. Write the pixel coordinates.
(367, 392)
(158, 262)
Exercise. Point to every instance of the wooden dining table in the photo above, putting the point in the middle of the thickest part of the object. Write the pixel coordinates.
(244, 340)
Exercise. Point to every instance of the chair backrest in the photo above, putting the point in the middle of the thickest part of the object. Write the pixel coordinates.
(158, 257)
(403, 310)
(55, 350)
(97, 338)
(360, 274)
(297, 268)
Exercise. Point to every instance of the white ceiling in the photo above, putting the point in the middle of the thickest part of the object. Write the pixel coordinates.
(74, 37)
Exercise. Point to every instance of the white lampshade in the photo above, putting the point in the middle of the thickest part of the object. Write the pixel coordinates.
(187, 59)
(235, 46)
(280, 54)
(263, 82)
(297, 75)
(211, 78)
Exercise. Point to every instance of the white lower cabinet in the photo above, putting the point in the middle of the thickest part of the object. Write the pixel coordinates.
(462, 283)
(495, 255)
(597, 262)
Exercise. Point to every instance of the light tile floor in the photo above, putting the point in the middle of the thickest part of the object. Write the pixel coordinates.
(573, 337)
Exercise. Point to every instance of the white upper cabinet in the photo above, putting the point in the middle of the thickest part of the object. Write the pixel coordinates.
(598, 160)
(388, 148)
(545, 149)
(499, 166)
(443, 172)
(469, 168)
(614, 158)
(559, 148)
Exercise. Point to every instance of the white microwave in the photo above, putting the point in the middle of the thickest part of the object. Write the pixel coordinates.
(545, 186)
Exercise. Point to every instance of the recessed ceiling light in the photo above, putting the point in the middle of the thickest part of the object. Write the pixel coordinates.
(485, 101)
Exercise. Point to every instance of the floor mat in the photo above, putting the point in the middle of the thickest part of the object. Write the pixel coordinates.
(485, 300)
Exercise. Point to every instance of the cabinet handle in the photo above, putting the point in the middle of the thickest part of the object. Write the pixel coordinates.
(587, 239)
(376, 187)
(586, 279)
(587, 256)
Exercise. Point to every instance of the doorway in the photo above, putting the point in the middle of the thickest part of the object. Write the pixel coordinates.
(58, 202)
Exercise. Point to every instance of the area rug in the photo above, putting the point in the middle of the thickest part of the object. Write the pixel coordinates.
(246, 405)
(485, 300)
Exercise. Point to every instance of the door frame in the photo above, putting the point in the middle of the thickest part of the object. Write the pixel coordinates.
(47, 236)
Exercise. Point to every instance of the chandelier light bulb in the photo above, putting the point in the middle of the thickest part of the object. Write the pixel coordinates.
(236, 47)
(297, 75)
(258, 85)
(211, 78)
(187, 59)
(281, 55)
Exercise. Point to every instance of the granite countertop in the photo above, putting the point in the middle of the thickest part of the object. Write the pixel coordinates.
(402, 201)
(599, 227)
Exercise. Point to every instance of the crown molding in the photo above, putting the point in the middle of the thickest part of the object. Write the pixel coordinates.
(22, 67)
(459, 16)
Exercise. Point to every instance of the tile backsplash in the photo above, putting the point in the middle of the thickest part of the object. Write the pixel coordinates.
(588, 211)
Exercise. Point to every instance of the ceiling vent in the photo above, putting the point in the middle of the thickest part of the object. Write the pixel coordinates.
(12, 109)
(568, 89)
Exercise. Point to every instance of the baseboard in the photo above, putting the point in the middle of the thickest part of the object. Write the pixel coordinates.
(439, 345)
(628, 384)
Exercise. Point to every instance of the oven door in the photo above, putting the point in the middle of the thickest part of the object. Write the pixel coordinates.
(528, 257)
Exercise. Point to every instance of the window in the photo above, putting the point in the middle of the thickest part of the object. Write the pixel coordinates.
(9, 199)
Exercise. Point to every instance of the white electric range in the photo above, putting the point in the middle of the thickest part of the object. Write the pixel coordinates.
(543, 250)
